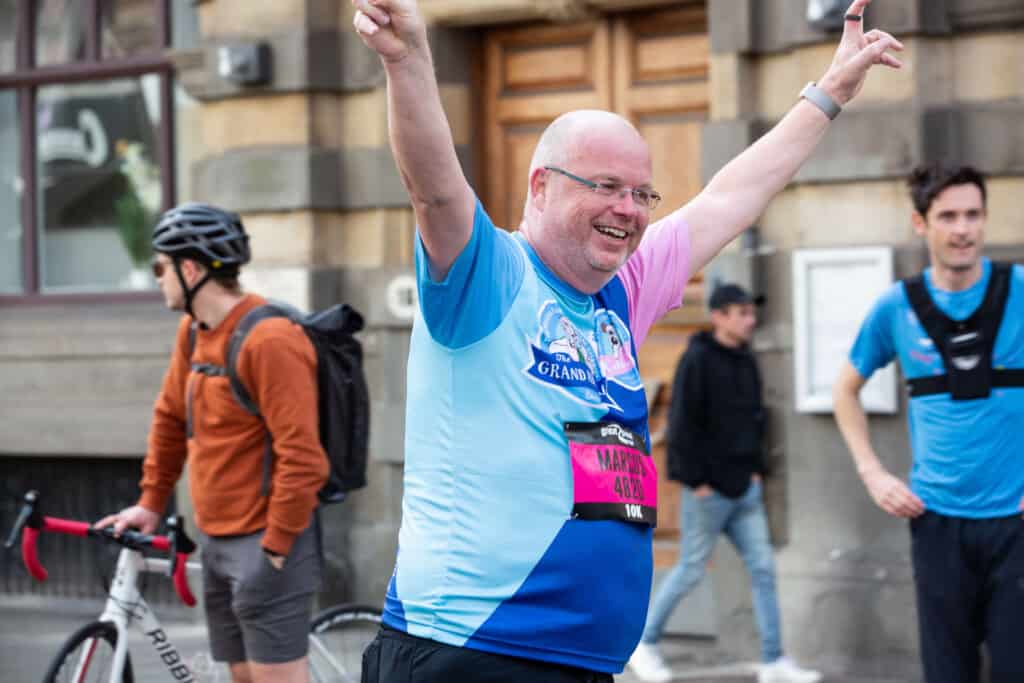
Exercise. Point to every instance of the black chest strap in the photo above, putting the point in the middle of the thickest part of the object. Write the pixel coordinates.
(966, 346)
(211, 370)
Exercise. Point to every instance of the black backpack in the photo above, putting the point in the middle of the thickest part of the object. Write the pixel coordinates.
(343, 398)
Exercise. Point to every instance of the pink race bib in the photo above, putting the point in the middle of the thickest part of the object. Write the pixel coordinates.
(614, 476)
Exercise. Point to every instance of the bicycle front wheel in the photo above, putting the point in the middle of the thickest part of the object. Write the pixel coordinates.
(338, 635)
(88, 656)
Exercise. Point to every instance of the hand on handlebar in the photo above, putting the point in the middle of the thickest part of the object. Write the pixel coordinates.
(135, 517)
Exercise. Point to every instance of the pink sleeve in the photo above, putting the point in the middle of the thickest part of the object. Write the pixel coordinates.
(656, 274)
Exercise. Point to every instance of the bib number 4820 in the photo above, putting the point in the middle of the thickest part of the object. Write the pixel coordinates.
(629, 488)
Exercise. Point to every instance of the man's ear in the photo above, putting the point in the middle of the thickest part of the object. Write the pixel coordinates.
(919, 223)
(538, 187)
(192, 270)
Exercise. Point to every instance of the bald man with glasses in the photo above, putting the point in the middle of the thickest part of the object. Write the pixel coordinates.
(529, 492)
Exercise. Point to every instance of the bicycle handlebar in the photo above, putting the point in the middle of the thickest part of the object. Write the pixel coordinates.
(176, 544)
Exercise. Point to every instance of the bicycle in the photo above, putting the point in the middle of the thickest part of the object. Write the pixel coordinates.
(98, 651)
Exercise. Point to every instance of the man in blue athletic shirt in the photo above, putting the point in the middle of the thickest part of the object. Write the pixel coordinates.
(529, 492)
(958, 333)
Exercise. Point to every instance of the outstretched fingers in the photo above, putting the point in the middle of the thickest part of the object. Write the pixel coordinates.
(876, 50)
(377, 11)
(364, 25)
(853, 28)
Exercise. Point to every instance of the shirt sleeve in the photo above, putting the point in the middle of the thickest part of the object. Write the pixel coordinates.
(168, 445)
(656, 274)
(479, 288)
(686, 416)
(875, 347)
(278, 365)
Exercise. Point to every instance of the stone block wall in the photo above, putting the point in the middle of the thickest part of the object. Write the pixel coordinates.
(845, 579)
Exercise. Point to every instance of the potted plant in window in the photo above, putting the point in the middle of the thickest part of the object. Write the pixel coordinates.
(136, 209)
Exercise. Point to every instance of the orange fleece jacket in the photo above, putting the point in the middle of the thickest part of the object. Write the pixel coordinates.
(277, 364)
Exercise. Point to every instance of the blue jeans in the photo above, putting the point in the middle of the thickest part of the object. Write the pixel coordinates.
(702, 520)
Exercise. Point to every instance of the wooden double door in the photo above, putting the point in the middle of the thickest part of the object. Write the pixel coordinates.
(652, 68)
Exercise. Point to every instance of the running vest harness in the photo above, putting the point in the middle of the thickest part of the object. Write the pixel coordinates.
(966, 345)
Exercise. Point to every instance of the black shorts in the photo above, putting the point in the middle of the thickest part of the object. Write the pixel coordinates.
(395, 656)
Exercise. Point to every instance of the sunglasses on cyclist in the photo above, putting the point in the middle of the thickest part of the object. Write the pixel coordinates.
(159, 268)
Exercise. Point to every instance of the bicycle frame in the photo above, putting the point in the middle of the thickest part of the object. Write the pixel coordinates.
(126, 605)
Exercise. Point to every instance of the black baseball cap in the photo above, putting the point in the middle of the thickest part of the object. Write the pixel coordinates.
(730, 294)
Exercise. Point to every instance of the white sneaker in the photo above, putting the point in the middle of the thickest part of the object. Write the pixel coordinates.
(647, 664)
(785, 670)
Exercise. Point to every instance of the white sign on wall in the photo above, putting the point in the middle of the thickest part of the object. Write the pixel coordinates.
(833, 290)
(402, 297)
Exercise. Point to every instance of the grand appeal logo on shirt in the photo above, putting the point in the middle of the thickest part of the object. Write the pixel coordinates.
(582, 364)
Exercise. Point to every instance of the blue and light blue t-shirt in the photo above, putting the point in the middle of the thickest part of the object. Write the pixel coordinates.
(968, 456)
(502, 354)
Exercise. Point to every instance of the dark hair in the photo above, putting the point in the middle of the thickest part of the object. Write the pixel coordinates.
(204, 233)
(927, 181)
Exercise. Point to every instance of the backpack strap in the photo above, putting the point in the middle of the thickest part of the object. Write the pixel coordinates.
(242, 330)
(203, 368)
(239, 390)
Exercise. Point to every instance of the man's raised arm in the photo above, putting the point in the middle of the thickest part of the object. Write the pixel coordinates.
(741, 190)
(420, 137)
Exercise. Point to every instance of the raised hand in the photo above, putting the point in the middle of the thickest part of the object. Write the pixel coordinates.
(891, 494)
(392, 28)
(857, 53)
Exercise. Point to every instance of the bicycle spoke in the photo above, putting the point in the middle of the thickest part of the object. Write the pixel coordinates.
(84, 659)
(324, 666)
(337, 641)
(90, 663)
(88, 657)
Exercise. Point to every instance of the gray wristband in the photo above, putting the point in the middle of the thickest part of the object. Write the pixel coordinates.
(821, 99)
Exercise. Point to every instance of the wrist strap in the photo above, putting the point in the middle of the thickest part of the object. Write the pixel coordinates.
(821, 99)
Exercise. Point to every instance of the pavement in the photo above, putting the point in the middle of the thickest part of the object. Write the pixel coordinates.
(32, 630)
(689, 661)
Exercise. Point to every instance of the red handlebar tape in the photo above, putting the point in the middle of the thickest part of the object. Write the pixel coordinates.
(28, 554)
(66, 526)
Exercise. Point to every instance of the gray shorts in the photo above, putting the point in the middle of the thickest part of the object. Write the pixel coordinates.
(253, 611)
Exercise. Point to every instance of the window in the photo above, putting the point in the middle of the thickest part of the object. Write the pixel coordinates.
(8, 28)
(10, 191)
(86, 142)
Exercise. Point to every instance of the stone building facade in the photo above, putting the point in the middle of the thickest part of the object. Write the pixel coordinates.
(304, 157)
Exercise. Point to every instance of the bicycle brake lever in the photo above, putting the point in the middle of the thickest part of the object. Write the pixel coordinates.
(180, 542)
(27, 515)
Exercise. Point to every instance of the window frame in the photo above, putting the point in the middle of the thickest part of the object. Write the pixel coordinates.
(25, 81)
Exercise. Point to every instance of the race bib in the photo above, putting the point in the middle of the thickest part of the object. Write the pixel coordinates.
(614, 476)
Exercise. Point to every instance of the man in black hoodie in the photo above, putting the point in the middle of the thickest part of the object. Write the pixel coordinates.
(716, 426)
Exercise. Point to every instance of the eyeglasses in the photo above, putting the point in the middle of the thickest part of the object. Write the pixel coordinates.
(649, 199)
(159, 267)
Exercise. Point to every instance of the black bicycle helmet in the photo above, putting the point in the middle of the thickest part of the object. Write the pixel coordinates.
(203, 233)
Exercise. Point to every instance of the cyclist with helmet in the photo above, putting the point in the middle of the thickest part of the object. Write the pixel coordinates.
(259, 547)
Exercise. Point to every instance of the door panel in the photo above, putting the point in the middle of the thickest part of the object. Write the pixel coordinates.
(531, 75)
(651, 68)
